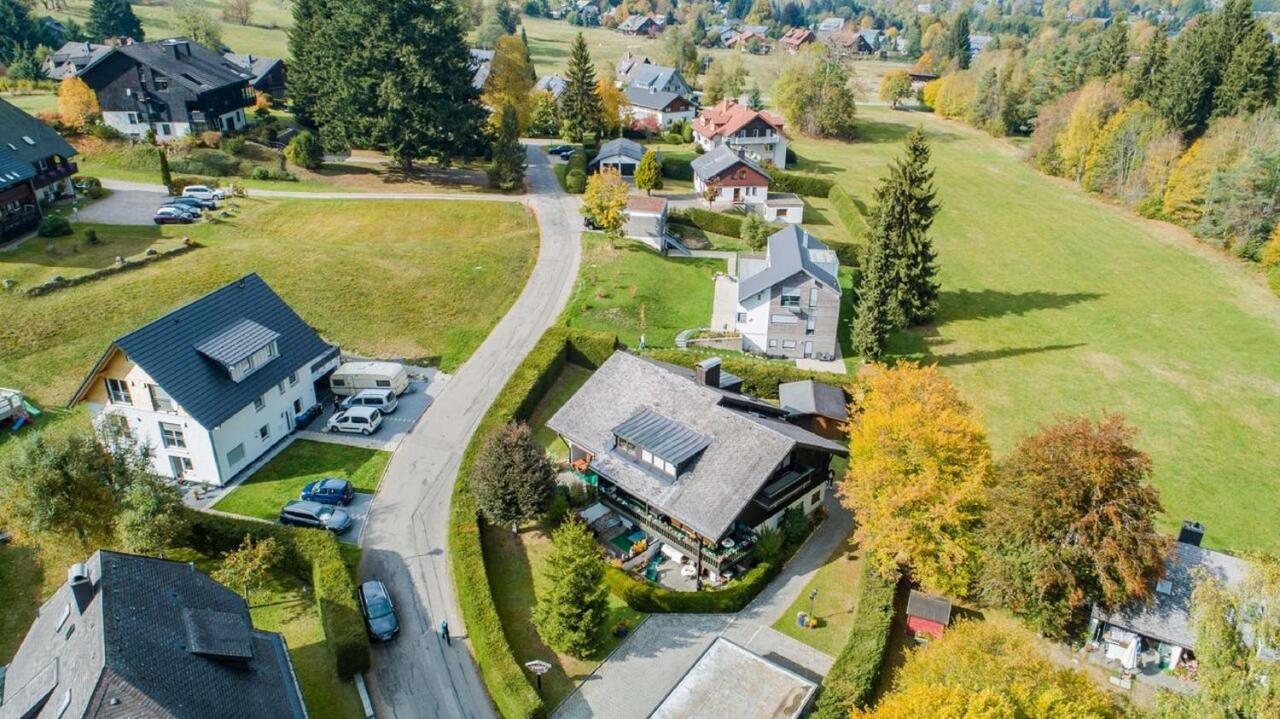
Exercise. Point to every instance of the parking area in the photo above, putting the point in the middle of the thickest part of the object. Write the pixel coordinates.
(412, 404)
(358, 509)
(124, 207)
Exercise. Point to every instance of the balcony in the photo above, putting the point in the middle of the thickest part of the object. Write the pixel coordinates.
(55, 173)
(719, 557)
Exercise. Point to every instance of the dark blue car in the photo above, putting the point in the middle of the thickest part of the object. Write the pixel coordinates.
(379, 613)
(329, 491)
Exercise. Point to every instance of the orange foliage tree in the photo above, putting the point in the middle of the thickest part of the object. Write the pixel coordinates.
(76, 102)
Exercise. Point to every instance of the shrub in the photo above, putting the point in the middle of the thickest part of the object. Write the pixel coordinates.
(677, 168)
(769, 544)
(807, 185)
(853, 676)
(54, 226)
(233, 145)
(848, 213)
(651, 598)
(576, 181)
(794, 525)
(304, 150)
(708, 221)
(578, 161)
(92, 186)
(180, 182)
(760, 377)
(91, 237)
(558, 508)
(205, 161)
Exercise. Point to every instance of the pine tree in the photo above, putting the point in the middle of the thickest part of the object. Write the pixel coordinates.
(579, 104)
(507, 170)
(544, 118)
(649, 173)
(113, 18)
(513, 480)
(1249, 82)
(1147, 79)
(571, 611)
(1113, 55)
(18, 31)
(528, 56)
(166, 176)
(307, 68)
(1186, 95)
(754, 100)
(957, 41)
(874, 321)
(918, 289)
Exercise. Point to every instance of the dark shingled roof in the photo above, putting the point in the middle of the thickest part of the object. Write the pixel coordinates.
(129, 652)
(791, 251)
(927, 606)
(650, 99)
(720, 159)
(621, 147)
(199, 69)
(808, 397)
(16, 153)
(172, 349)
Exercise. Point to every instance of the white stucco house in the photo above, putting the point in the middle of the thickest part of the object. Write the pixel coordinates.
(658, 96)
(212, 385)
(735, 178)
(789, 299)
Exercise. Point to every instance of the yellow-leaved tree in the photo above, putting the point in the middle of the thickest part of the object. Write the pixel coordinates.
(613, 104)
(510, 80)
(1095, 105)
(605, 201)
(76, 102)
(919, 472)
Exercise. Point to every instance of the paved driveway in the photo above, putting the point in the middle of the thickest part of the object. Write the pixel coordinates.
(359, 511)
(124, 207)
(395, 426)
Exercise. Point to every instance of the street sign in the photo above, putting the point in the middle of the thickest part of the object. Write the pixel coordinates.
(537, 666)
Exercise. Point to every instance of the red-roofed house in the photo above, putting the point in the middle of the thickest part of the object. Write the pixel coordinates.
(796, 38)
(757, 134)
(927, 615)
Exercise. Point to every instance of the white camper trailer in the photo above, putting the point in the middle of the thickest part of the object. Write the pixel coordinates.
(352, 377)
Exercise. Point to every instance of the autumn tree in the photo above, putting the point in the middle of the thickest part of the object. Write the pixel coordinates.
(544, 117)
(726, 78)
(678, 50)
(815, 92)
(509, 82)
(571, 611)
(649, 172)
(1117, 162)
(506, 171)
(895, 87)
(154, 518)
(580, 109)
(194, 22)
(605, 201)
(513, 481)
(76, 102)
(1093, 108)
(1073, 522)
(248, 566)
(239, 12)
(113, 18)
(919, 470)
(615, 109)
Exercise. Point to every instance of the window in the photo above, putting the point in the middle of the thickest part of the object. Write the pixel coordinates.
(236, 455)
(133, 118)
(383, 383)
(297, 406)
(339, 382)
(742, 316)
(246, 366)
(118, 391)
(790, 297)
(782, 212)
(810, 325)
(118, 423)
(813, 296)
(166, 129)
(784, 319)
(788, 344)
(171, 436)
(259, 404)
(264, 431)
(160, 399)
(816, 497)
(282, 387)
(773, 343)
(293, 378)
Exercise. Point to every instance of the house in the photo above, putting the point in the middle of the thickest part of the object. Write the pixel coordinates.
(789, 299)
(689, 465)
(979, 42)
(621, 154)
(927, 615)
(481, 62)
(588, 12)
(828, 27)
(267, 73)
(818, 407)
(646, 25)
(35, 167)
(757, 134)
(73, 58)
(782, 207)
(731, 681)
(796, 38)
(628, 66)
(212, 385)
(553, 84)
(647, 221)
(657, 96)
(656, 78)
(131, 636)
(745, 36)
(1159, 634)
(731, 176)
(870, 41)
(171, 87)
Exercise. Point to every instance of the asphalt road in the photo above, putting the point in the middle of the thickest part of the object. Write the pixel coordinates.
(417, 674)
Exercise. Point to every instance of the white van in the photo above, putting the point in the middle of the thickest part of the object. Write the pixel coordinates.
(352, 377)
(383, 399)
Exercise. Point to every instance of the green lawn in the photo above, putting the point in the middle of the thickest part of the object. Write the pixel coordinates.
(571, 379)
(1055, 303)
(633, 291)
(381, 278)
(837, 585)
(32, 102)
(265, 35)
(514, 564)
(283, 478)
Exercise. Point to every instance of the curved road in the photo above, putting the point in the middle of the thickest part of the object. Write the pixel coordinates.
(417, 675)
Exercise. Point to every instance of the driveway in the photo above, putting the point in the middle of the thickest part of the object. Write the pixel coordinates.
(124, 207)
(359, 511)
(406, 535)
(395, 426)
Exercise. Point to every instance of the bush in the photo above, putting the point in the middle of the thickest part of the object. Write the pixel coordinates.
(578, 161)
(677, 168)
(760, 377)
(180, 182)
(204, 161)
(853, 676)
(92, 186)
(304, 150)
(645, 597)
(54, 226)
(807, 185)
(104, 132)
(848, 212)
(91, 237)
(769, 544)
(233, 145)
(708, 221)
(262, 172)
(576, 181)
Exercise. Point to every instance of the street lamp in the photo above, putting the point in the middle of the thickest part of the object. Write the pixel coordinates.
(812, 595)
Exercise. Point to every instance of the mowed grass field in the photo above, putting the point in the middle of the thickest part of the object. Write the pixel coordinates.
(283, 478)
(424, 280)
(1054, 303)
(266, 34)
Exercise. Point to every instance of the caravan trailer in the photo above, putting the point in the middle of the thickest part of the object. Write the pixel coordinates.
(352, 377)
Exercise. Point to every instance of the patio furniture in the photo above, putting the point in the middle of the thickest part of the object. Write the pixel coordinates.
(688, 570)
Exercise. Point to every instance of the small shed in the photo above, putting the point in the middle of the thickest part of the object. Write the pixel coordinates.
(818, 407)
(622, 154)
(927, 615)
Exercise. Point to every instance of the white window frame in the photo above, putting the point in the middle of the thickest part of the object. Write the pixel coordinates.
(264, 432)
(788, 344)
(172, 436)
(117, 388)
(237, 452)
(259, 404)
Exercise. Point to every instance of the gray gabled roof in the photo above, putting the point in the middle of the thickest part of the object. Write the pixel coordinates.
(553, 84)
(154, 638)
(257, 66)
(650, 99)
(24, 140)
(649, 76)
(193, 66)
(792, 251)
(74, 58)
(664, 437)
(808, 397)
(621, 147)
(930, 607)
(723, 157)
(172, 349)
(238, 341)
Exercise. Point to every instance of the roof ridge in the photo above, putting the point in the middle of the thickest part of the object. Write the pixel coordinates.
(217, 290)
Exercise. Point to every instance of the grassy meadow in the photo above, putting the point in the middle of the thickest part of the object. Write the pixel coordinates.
(381, 278)
(266, 34)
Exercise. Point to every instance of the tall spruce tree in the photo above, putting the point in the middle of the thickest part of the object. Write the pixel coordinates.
(1249, 82)
(1113, 55)
(1147, 79)
(571, 611)
(308, 66)
(873, 320)
(1186, 94)
(113, 18)
(917, 290)
(507, 169)
(579, 103)
(957, 40)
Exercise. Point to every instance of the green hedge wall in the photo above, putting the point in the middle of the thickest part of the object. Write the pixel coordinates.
(308, 554)
(677, 168)
(646, 597)
(848, 213)
(807, 185)
(760, 378)
(853, 676)
(503, 676)
(709, 221)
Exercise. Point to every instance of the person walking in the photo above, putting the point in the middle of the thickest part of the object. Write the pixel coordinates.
(444, 632)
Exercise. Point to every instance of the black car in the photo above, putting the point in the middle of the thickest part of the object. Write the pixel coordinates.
(557, 149)
(589, 223)
(379, 613)
(195, 202)
(305, 513)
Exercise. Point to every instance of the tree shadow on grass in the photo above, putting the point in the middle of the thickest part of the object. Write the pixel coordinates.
(958, 305)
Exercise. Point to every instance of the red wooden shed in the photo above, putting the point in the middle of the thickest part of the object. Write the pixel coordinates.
(927, 614)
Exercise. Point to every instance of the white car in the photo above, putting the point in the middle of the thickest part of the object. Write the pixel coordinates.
(204, 192)
(365, 420)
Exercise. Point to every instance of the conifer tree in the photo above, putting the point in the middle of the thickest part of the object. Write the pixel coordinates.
(1149, 75)
(513, 480)
(113, 18)
(308, 67)
(507, 170)
(1249, 82)
(1186, 95)
(957, 40)
(1113, 55)
(570, 612)
(874, 319)
(649, 173)
(579, 104)
(918, 287)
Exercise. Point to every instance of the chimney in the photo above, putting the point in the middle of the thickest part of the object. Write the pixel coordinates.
(81, 586)
(708, 372)
(1191, 533)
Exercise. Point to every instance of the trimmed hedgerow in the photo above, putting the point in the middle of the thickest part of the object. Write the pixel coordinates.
(677, 168)
(708, 221)
(502, 674)
(853, 676)
(808, 185)
(848, 213)
(650, 598)
(760, 378)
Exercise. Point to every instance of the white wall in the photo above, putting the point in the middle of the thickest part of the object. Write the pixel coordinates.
(795, 215)
(749, 195)
(276, 414)
(804, 503)
(120, 121)
(665, 119)
(755, 330)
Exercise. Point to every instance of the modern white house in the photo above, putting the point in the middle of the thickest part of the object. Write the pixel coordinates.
(212, 385)
(757, 134)
(789, 299)
(737, 180)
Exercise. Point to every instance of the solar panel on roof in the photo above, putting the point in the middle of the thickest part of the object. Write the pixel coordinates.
(218, 634)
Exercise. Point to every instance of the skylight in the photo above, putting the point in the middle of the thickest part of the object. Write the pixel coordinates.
(28, 140)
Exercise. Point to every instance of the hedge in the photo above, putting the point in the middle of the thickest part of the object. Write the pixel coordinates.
(760, 378)
(309, 554)
(645, 597)
(852, 679)
(848, 213)
(708, 221)
(808, 185)
(677, 168)
(503, 676)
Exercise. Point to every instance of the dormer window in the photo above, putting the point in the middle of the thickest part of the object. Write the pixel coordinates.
(241, 349)
(659, 442)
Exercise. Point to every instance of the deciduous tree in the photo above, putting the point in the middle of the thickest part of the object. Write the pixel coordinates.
(153, 517)
(571, 610)
(304, 150)
(681, 52)
(247, 567)
(544, 118)
(239, 12)
(509, 81)
(919, 471)
(196, 23)
(513, 481)
(649, 172)
(895, 87)
(605, 200)
(755, 231)
(615, 109)
(580, 104)
(76, 102)
(815, 92)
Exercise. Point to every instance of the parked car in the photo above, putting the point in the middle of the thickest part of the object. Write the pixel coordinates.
(557, 149)
(379, 613)
(589, 222)
(566, 152)
(365, 420)
(329, 490)
(196, 212)
(303, 513)
(192, 202)
(173, 216)
(204, 192)
(384, 399)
